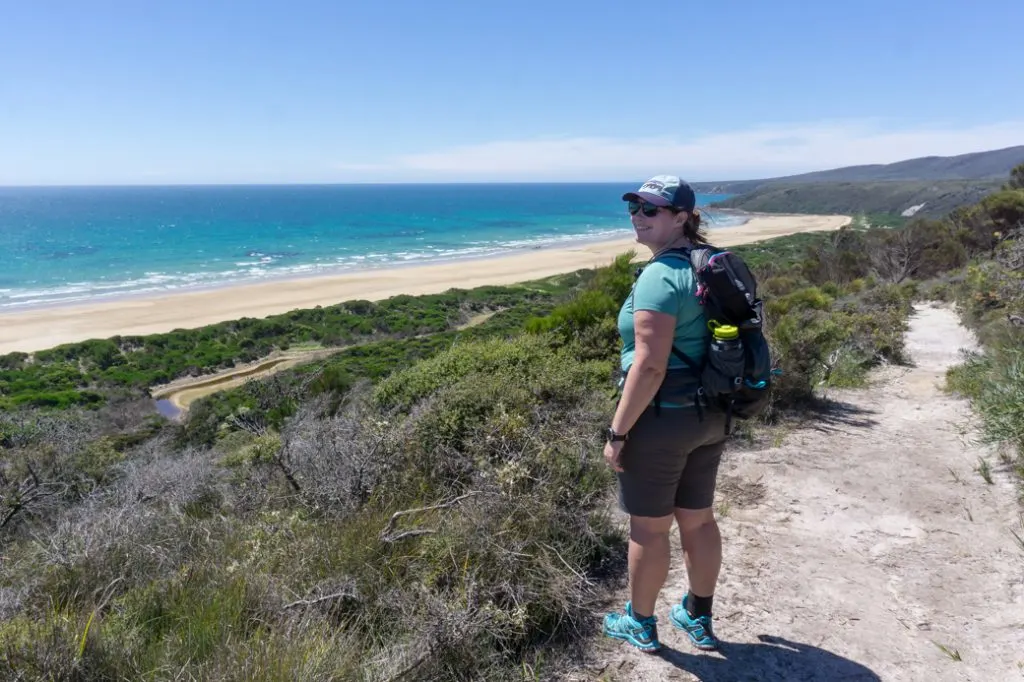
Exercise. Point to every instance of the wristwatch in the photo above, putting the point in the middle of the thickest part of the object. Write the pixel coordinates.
(616, 437)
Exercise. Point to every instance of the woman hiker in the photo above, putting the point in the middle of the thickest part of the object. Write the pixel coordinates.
(666, 453)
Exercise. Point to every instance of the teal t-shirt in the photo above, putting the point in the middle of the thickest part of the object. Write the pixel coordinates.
(667, 286)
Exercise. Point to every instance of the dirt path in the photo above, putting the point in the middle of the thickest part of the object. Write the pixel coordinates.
(864, 547)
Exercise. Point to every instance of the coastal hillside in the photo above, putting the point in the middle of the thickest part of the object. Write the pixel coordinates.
(986, 165)
(900, 198)
(426, 499)
(928, 186)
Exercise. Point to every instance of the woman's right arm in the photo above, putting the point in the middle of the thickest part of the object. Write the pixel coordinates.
(654, 333)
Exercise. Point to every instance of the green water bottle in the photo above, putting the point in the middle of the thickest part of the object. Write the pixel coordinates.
(723, 372)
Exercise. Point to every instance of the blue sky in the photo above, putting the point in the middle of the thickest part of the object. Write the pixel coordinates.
(191, 91)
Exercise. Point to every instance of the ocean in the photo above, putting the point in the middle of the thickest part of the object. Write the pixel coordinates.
(61, 245)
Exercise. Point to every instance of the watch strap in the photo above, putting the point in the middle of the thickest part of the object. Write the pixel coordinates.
(614, 437)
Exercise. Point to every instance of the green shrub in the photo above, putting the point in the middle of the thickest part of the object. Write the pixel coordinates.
(96, 458)
(809, 298)
(898, 296)
(528, 362)
(831, 289)
(247, 449)
(879, 335)
(937, 290)
(995, 382)
(969, 377)
(480, 402)
(779, 285)
(818, 341)
(589, 318)
(802, 343)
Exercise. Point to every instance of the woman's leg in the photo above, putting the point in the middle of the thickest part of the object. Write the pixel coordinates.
(649, 557)
(698, 530)
(702, 545)
(702, 548)
(652, 459)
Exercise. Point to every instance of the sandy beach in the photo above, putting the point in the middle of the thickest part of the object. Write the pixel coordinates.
(41, 328)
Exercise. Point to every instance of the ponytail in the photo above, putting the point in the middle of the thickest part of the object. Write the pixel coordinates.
(694, 231)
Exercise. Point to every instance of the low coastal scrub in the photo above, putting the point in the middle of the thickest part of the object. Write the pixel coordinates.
(989, 294)
(429, 503)
(442, 525)
(92, 372)
(335, 376)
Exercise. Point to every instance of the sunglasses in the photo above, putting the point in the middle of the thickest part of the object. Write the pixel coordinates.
(650, 210)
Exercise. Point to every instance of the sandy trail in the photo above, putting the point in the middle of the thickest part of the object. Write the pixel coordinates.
(865, 547)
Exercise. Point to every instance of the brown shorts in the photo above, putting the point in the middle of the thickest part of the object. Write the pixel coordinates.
(671, 460)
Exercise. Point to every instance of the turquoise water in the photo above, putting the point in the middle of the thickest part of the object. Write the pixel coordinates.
(63, 245)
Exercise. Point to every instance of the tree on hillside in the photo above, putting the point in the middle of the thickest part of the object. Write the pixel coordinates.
(897, 255)
(842, 259)
(1016, 178)
(1005, 209)
(984, 225)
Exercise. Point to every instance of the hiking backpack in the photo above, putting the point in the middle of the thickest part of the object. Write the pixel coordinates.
(737, 374)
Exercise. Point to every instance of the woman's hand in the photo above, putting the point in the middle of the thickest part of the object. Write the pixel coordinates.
(612, 453)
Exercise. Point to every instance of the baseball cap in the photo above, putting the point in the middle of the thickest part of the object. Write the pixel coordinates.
(665, 190)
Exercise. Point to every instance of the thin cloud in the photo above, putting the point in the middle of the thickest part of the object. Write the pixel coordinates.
(372, 167)
(762, 151)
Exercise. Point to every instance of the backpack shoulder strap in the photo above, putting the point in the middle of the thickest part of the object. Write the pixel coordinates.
(687, 254)
(686, 359)
(699, 256)
(681, 252)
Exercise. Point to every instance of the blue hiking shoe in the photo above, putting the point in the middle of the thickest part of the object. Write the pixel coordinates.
(643, 634)
(699, 629)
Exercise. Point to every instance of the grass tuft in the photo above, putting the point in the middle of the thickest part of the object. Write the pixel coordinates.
(984, 470)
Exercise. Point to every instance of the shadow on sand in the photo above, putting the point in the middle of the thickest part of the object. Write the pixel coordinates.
(831, 415)
(770, 660)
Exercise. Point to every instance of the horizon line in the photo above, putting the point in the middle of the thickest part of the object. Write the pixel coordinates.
(357, 183)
